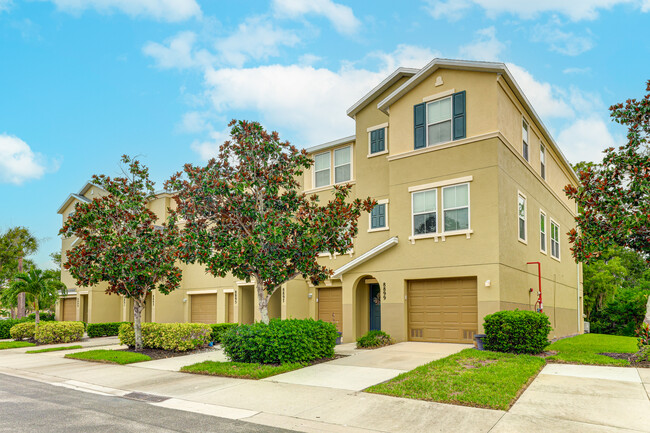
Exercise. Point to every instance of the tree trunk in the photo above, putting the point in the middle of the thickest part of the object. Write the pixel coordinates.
(138, 307)
(263, 302)
(21, 295)
(38, 313)
(647, 312)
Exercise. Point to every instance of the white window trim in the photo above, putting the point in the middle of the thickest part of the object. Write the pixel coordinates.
(469, 209)
(525, 240)
(333, 165)
(441, 183)
(378, 229)
(440, 95)
(313, 182)
(559, 244)
(425, 235)
(545, 250)
(527, 141)
(426, 121)
(374, 128)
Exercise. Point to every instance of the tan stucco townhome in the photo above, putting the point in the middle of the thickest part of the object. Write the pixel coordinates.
(469, 184)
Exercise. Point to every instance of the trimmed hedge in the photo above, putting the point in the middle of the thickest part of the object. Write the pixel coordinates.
(107, 329)
(6, 325)
(218, 329)
(23, 331)
(281, 341)
(516, 331)
(59, 332)
(374, 339)
(178, 337)
(43, 317)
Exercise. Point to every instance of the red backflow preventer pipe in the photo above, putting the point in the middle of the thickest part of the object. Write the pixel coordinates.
(539, 307)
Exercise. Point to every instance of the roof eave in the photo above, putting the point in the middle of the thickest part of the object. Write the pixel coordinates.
(380, 88)
(331, 144)
(365, 257)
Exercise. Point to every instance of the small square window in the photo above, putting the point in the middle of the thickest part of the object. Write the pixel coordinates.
(378, 216)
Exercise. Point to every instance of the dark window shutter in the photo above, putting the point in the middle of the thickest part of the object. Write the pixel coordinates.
(419, 124)
(382, 215)
(459, 115)
(381, 140)
(373, 141)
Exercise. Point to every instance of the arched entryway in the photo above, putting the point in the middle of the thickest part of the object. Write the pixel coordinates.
(367, 305)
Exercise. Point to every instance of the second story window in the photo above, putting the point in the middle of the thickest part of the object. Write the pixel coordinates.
(524, 139)
(322, 170)
(425, 212)
(342, 164)
(521, 217)
(439, 121)
(542, 161)
(455, 207)
(555, 240)
(377, 140)
(542, 232)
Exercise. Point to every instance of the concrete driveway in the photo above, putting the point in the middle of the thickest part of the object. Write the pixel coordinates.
(363, 368)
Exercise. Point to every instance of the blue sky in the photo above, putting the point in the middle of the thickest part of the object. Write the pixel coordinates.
(85, 81)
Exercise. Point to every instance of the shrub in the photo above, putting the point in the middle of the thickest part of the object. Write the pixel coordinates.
(516, 331)
(59, 332)
(103, 329)
(643, 355)
(374, 339)
(281, 341)
(643, 332)
(23, 331)
(218, 329)
(178, 337)
(6, 325)
(622, 314)
(43, 317)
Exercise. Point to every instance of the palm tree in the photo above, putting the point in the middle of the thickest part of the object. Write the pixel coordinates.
(37, 285)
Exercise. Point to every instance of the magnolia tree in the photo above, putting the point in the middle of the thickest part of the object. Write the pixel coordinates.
(244, 213)
(121, 242)
(614, 196)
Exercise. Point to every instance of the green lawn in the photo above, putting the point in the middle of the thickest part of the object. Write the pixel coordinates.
(470, 377)
(14, 344)
(243, 370)
(109, 356)
(54, 349)
(584, 349)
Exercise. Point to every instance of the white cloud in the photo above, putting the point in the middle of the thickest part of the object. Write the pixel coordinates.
(342, 17)
(486, 46)
(210, 148)
(256, 39)
(585, 139)
(163, 10)
(562, 42)
(18, 162)
(576, 70)
(576, 10)
(408, 56)
(5, 5)
(178, 52)
(547, 100)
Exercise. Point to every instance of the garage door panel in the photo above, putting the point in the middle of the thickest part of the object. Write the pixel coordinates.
(70, 309)
(204, 308)
(330, 306)
(443, 310)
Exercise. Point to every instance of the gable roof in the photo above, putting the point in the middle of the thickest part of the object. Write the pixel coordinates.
(380, 88)
(470, 65)
(366, 256)
(332, 143)
(78, 196)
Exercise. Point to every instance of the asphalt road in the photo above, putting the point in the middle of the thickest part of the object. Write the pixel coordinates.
(29, 406)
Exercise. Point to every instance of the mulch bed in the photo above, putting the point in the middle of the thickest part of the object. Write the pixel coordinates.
(162, 354)
(630, 357)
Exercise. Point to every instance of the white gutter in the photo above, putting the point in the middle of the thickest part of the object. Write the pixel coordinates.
(329, 144)
(365, 257)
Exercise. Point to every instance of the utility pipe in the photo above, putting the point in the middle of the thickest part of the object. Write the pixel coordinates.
(539, 275)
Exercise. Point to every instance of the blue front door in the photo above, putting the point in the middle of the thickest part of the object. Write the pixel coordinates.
(375, 307)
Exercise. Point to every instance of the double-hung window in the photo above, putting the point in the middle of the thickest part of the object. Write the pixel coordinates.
(455, 207)
(425, 213)
(524, 139)
(555, 240)
(542, 231)
(378, 216)
(521, 217)
(322, 163)
(542, 161)
(342, 164)
(439, 121)
(377, 141)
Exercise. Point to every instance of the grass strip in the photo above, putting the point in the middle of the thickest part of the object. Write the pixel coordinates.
(54, 349)
(585, 349)
(15, 344)
(109, 356)
(470, 378)
(243, 370)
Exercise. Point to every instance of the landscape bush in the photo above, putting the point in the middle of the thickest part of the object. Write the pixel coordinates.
(374, 339)
(643, 333)
(107, 329)
(622, 314)
(23, 331)
(6, 325)
(281, 341)
(218, 329)
(516, 331)
(43, 317)
(59, 332)
(177, 337)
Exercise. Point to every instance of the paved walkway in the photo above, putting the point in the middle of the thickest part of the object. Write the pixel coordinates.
(562, 398)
